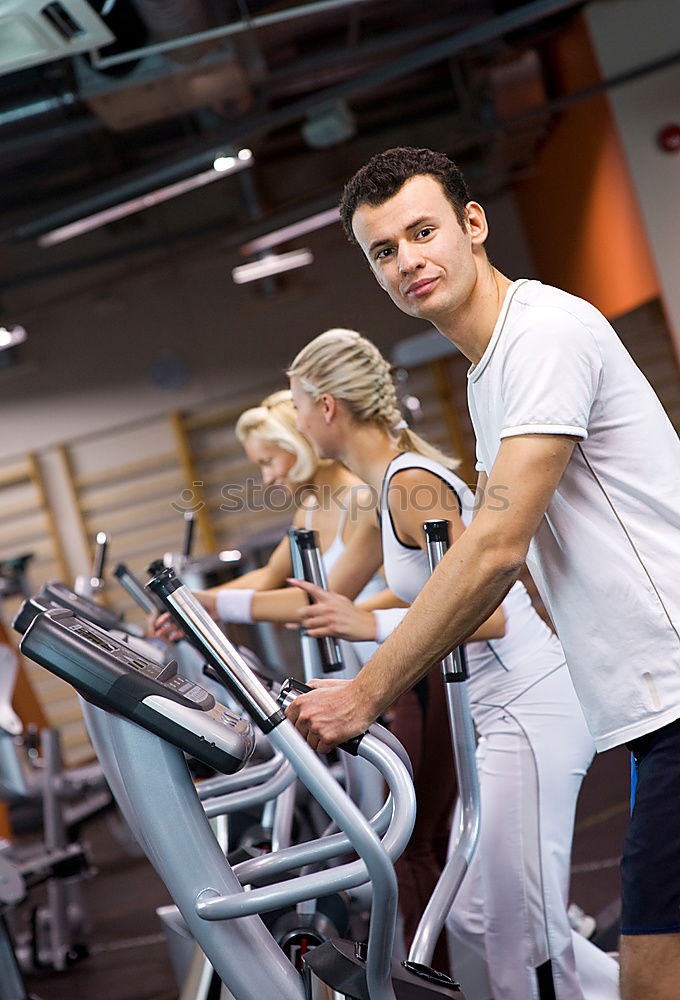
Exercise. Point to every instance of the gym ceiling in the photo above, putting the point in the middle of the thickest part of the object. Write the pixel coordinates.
(312, 89)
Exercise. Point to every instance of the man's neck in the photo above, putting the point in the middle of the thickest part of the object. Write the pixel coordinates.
(471, 326)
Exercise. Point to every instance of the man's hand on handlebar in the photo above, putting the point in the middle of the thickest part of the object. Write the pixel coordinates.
(329, 715)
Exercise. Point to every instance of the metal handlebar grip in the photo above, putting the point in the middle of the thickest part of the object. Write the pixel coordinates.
(289, 691)
(129, 582)
(100, 555)
(189, 525)
(306, 557)
(437, 535)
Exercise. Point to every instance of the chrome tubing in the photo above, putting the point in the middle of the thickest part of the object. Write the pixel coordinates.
(375, 866)
(454, 674)
(206, 634)
(308, 559)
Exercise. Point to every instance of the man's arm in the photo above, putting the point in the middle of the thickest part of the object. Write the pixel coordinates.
(471, 581)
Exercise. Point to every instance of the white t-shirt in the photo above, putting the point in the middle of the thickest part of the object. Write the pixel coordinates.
(606, 556)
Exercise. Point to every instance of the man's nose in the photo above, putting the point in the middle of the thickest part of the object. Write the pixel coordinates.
(410, 258)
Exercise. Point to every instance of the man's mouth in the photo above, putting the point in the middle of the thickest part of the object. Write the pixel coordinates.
(422, 287)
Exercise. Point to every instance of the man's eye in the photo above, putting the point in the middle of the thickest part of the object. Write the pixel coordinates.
(425, 231)
(382, 254)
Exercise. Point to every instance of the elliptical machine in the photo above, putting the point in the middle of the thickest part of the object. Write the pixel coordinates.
(185, 852)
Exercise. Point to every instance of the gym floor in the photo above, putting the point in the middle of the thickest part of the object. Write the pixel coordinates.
(128, 960)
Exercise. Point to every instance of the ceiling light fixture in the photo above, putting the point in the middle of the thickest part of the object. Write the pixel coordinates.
(271, 264)
(11, 336)
(286, 233)
(34, 32)
(223, 165)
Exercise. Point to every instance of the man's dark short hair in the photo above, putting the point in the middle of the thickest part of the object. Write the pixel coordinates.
(386, 173)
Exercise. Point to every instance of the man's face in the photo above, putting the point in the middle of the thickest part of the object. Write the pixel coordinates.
(417, 249)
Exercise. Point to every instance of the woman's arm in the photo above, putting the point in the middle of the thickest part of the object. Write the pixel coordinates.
(428, 498)
(273, 574)
(359, 561)
(356, 565)
(362, 556)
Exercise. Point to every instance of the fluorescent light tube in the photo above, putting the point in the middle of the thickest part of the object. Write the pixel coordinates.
(11, 336)
(271, 264)
(286, 233)
(125, 208)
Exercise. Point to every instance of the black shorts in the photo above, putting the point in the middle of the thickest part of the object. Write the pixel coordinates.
(650, 869)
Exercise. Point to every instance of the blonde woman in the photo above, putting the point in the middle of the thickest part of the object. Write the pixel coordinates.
(508, 930)
(329, 499)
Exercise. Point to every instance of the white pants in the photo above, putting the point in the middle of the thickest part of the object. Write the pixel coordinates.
(510, 915)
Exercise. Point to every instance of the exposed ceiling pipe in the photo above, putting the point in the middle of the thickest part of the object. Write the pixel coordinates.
(168, 20)
(304, 71)
(28, 112)
(254, 125)
(223, 31)
(16, 150)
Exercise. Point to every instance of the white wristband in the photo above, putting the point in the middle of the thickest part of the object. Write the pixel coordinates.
(234, 606)
(386, 620)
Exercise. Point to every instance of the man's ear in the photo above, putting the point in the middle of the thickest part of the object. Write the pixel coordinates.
(477, 225)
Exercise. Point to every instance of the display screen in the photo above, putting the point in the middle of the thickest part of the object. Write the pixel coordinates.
(96, 639)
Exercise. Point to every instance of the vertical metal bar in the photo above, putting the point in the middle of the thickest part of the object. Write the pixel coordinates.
(67, 466)
(309, 557)
(55, 837)
(455, 675)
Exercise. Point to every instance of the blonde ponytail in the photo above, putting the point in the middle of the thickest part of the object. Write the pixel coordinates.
(351, 369)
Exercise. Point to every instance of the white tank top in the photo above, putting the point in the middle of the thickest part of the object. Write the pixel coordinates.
(527, 650)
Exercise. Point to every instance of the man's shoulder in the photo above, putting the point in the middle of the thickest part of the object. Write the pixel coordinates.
(541, 315)
(535, 301)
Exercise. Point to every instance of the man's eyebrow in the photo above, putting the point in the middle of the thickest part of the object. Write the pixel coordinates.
(411, 225)
(377, 243)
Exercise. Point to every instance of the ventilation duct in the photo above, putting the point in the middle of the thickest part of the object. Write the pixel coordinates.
(168, 19)
(34, 32)
(164, 85)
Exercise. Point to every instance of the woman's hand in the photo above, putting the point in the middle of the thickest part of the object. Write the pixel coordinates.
(333, 614)
(164, 626)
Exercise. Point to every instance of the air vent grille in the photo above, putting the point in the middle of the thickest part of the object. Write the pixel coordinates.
(34, 32)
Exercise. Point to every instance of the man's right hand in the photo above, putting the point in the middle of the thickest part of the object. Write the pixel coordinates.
(330, 714)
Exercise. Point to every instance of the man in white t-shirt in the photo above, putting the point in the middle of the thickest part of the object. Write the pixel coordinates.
(572, 438)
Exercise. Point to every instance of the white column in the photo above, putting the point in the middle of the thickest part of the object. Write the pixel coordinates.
(627, 34)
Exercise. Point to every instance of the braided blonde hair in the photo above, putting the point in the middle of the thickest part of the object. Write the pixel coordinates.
(275, 421)
(351, 368)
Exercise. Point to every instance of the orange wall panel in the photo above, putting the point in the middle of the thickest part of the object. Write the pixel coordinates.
(580, 213)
